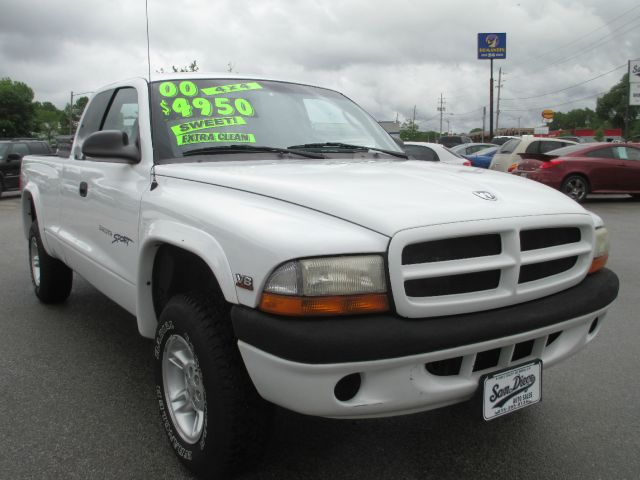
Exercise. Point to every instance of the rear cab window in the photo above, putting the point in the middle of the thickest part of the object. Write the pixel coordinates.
(421, 152)
(510, 146)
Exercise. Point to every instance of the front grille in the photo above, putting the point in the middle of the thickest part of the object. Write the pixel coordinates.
(491, 359)
(548, 237)
(452, 284)
(472, 266)
(536, 271)
(452, 249)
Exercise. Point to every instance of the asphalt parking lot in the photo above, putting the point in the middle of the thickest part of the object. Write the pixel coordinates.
(77, 397)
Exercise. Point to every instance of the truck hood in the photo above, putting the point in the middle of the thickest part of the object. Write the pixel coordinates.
(383, 195)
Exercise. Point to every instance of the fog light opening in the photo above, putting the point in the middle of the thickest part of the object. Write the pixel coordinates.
(593, 326)
(347, 387)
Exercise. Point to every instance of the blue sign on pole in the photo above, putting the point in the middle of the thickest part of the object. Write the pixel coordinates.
(492, 46)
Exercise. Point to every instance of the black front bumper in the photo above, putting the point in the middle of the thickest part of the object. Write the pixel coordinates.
(374, 337)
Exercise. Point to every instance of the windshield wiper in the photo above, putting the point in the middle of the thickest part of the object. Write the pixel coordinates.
(247, 148)
(346, 146)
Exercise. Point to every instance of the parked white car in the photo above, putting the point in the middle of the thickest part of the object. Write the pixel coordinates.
(507, 157)
(433, 152)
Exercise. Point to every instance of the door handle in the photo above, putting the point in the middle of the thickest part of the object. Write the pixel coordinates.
(83, 189)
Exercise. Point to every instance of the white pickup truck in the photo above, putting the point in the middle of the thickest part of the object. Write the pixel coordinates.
(280, 248)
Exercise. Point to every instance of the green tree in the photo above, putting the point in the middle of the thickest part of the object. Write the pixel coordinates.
(599, 136)
(192, 67)
(578, 118)
(47, 120)
(613, 104)
(17, 112)
(409, 131)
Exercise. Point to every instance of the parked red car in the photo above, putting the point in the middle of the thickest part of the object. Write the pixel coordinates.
(578, 170)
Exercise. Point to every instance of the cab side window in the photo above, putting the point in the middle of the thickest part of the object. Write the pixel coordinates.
(123, 113)
(110, 110)
(91, 120)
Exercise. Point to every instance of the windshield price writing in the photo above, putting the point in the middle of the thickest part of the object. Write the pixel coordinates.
(180, 99)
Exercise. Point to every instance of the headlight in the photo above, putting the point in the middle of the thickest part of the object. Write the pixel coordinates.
(327, 286)
(601, 252)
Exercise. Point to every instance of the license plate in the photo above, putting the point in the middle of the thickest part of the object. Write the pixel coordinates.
(510, 390)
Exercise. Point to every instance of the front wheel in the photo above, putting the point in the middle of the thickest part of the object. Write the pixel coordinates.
(214, 418)
(52, 280)
(576, 187)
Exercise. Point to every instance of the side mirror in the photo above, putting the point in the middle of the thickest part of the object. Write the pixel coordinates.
(111, 145)
(13, 157)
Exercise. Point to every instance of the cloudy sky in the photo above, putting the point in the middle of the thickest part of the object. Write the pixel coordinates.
(388, 56)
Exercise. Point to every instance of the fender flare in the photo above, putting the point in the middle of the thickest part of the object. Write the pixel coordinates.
(168, 232)
(30, 194)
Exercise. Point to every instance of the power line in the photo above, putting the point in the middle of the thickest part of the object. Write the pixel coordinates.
(576, 40)
(594, 45)
(467, 113)
(567, 88)
(552, 106)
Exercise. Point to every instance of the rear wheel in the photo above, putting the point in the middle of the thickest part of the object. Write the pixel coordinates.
(576, 187)
(52, 279)
(214, 418)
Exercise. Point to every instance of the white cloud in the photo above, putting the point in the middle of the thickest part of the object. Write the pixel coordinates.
(387, 56)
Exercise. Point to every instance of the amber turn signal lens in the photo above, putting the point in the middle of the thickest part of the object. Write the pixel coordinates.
(323, 306)
(598, 263)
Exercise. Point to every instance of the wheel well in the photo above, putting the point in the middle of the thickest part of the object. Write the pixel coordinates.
(28, 212)
(175, 271)
(581, 175)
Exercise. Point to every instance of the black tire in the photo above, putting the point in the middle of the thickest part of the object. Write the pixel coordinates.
(576, 187)
(52, 280)
(237, 420)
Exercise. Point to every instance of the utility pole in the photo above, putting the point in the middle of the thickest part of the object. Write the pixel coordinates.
(626, 109)
(498, 106)
(484, 117)
(71, 114)
(441, 110)
(491, 102)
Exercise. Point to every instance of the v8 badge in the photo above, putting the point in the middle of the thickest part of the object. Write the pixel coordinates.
(244, 281)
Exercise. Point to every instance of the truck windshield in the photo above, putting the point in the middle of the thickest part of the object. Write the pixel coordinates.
(193, 115)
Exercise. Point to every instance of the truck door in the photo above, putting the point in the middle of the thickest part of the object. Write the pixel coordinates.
(101, 199)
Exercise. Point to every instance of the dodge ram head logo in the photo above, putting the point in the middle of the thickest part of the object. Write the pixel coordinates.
(485, 195)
